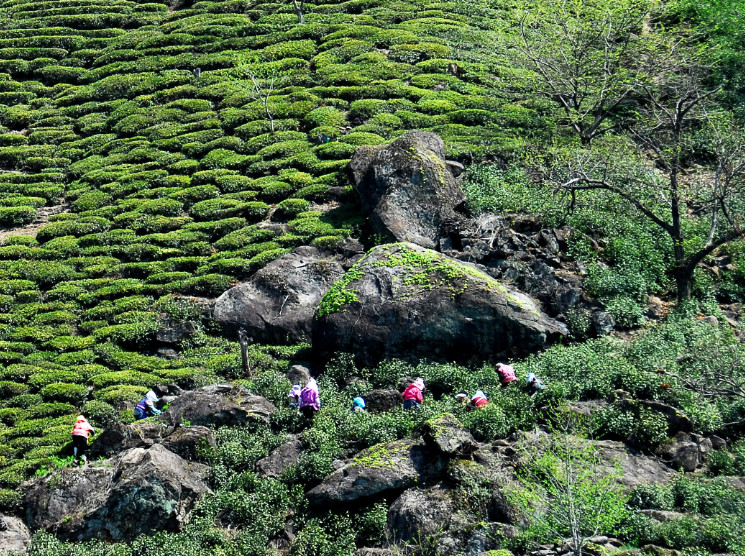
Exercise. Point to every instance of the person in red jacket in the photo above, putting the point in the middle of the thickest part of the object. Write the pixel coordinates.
(413, 394)
(80, 432)
(479, 400)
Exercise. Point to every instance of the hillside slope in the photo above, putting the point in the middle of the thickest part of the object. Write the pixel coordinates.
(136, 165)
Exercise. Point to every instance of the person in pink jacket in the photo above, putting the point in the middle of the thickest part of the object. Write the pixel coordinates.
(80, 432)
(506, 374)
(413, 394)
(310, 400)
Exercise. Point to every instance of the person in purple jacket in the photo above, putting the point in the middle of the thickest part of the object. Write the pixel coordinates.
(310, 400)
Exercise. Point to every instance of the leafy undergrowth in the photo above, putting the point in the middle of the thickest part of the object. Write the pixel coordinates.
(247, 512)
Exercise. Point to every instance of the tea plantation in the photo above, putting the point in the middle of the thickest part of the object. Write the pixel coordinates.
(138, 122)
(154, 154)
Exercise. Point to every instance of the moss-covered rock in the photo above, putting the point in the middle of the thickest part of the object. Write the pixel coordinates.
(402, 300)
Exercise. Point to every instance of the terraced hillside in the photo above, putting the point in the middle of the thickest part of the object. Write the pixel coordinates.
(144, 146)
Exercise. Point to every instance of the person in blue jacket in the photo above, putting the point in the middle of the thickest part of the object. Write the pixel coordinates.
(146, 407)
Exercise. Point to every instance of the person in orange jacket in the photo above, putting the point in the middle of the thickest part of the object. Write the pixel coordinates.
(80, 433)
(413, 394)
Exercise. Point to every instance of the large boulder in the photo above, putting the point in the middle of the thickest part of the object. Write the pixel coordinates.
(384, 468)
(681, 451)
(447, 435)
(14, 536)
(418, 513)
(636, 468)
(218, 405)
(402, 300)
(276, 306)
(281, 458)
(143, 434)
(439, 517)
(407, 188)
(138, 492)
(382, 400)
(173, 331)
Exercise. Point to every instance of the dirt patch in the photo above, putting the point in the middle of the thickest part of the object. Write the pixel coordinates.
(42, 218)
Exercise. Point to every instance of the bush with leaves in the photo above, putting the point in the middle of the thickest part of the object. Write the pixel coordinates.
(567, 491)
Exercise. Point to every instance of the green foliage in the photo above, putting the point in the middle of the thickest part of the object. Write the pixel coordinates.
(567, 493)
(713, 513)
(492, 190)
(74, 394)
(639, 427)
(10, 500)
(333, 536)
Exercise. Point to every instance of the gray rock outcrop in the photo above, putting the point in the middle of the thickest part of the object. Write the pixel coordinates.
(381, 400)
(421, 513)
(384, 468)
(179, 440)
(14, 535)
(636, 467)
(518, 250)
(402, 300)
(140, 491)
(682, 452)
(447, 435)
(173, 332)
(438, 515)
(407, 188)
(276, 305)
(218, 405)
(281, 458)
(298, 374)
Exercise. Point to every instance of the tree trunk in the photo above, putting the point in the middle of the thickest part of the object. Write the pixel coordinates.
(245, 341)
(299, 9)
(684, 282)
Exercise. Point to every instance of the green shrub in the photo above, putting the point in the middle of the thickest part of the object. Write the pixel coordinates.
(136, 378)
(328, 116)
(10, 500)
(208, 285)
(134, 333)
(74, 394)
(640, 427)
(117, 395)
(100, 413)
(16, 216)
(291, 207)
(317, 538)
(9, 389)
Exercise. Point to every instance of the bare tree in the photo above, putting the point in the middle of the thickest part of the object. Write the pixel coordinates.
(588, 56)
(261, 90)
(569, 489)
(676, 124)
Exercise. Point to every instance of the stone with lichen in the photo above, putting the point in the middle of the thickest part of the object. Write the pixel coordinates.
(405, 301)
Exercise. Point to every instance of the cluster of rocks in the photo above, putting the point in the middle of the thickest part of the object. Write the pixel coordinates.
(149, 481)
(152, 477)
(381, 304)
(596, 546)
(140, 490)
(429, 483)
